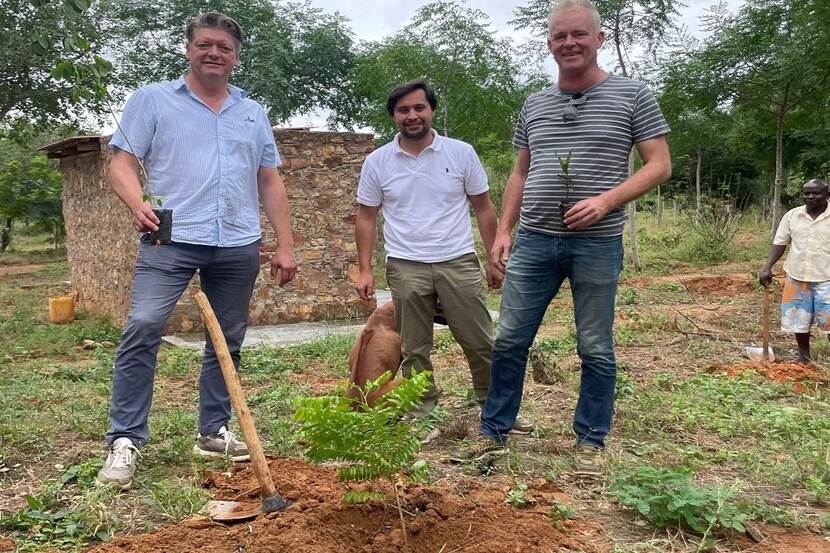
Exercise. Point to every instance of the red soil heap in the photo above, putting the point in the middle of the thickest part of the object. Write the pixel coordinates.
(795, 373)
(457, 517)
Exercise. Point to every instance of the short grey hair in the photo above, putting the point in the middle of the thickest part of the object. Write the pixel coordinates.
(568, 4)
(215, 20)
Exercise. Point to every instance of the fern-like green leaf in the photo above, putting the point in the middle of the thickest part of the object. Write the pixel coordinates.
(361, 496)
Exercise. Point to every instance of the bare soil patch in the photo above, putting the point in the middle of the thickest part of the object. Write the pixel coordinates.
(725, 284)
(445, 517)
(6, 270)
(786, 540)
(795, 373)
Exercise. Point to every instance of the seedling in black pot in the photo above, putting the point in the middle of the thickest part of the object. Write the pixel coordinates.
(565, 164)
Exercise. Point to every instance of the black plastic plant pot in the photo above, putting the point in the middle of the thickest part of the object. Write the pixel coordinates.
(164, 234)
(563, 209)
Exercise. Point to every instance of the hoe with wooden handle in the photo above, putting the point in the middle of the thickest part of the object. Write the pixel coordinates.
(271, 501)
(765, 352)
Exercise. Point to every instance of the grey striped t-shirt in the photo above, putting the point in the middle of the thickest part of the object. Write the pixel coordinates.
(612, 116)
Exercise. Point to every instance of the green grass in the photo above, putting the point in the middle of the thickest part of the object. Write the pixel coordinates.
(763, 430)
(332, 353)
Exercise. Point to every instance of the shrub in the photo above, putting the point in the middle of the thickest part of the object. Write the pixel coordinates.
(374, 441)
(667, 497)
(714, 227)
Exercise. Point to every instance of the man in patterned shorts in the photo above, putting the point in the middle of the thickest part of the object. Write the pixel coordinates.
(806, 296)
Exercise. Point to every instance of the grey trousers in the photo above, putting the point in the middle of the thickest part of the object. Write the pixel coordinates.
(161, 276)
(458, 284)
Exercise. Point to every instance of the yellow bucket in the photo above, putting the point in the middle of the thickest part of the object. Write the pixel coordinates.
(61, 309)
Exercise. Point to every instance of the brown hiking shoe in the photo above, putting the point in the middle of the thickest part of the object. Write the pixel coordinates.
(477, 449)
(522, 426)
(588, 460)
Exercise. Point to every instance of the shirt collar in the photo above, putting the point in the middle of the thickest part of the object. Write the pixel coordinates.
(235, 92)
(822, 215)
(437, 142)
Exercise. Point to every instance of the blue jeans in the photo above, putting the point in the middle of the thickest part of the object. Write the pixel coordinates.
(161, 276)
(538, 265)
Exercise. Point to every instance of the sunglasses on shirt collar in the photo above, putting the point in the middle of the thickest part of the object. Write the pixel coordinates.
(571, 110)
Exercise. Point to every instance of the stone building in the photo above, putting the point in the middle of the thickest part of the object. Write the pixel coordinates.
(320, 170)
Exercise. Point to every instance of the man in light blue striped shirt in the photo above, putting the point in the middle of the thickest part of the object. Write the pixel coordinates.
(209, 152)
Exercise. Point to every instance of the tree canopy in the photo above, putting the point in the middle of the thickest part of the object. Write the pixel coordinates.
(294, 56)
(36, 36)
(479, 85)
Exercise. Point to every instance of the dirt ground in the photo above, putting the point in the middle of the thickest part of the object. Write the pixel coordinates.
(461, 516)
(463, 512)
(447, 517)
(802, 376)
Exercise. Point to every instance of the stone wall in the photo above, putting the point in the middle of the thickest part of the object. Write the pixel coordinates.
(320, 170)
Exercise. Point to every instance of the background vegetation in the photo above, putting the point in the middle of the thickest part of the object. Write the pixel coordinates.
(748, 103)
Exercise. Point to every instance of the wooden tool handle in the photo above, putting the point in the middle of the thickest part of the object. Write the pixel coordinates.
(765, 353)
(243, 415)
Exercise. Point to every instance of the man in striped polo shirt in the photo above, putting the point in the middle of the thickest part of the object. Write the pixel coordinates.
(209, 152)
(570, 224)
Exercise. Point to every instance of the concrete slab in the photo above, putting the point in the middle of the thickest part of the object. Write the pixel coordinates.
(291, 334)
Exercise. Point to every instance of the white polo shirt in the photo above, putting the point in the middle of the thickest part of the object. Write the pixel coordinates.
(423, 199)
(809, 239)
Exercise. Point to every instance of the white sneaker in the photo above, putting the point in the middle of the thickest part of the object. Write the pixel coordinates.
(119, 467)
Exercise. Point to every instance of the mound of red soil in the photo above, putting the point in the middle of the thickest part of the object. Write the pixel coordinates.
(738, 283)
(721, 285)
(785, 540)
(779, 372)
(446, 517)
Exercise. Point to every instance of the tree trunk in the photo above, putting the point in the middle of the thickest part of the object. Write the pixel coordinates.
(631, 208)
(6, 235)
(779, 168)
(698, 202)
(659, 207)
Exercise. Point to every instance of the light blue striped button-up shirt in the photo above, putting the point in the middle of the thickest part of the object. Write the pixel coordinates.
(201, 163)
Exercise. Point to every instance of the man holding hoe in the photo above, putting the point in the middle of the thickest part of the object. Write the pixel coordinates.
(425, 184)
(209, 152)
(806, 295)
(587, 122)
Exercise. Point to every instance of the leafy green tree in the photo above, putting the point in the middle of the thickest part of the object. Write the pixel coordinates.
(476, 79)
(37, 36)
(294, 56)
(772, 57)
(31, 190)
(626, 23)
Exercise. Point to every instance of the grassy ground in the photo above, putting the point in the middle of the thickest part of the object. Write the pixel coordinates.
(757, 450)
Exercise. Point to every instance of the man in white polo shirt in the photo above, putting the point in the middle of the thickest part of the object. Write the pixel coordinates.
(424, 184)
(806, 296)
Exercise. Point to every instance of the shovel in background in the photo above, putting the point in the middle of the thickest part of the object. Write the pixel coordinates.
(763, 354)
(271, 501)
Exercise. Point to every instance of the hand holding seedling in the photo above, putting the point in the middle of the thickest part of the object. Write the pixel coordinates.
(284, 265)
(144, 220)
(586, 212)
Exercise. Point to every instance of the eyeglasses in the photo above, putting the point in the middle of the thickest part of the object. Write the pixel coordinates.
(571, 111)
